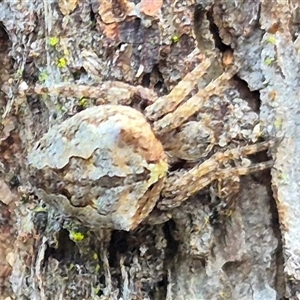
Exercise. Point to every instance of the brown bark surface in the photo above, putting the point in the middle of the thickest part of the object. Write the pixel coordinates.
(60, 57)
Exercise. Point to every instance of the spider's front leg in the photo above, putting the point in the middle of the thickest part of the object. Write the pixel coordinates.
(108, 92)
(183, 112)
(183, 184)
(171, 111)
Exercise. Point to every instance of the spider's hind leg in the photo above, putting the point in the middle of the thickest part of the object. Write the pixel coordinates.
(182, 184)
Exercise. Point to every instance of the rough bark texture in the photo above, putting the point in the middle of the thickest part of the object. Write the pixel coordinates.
(251, 253)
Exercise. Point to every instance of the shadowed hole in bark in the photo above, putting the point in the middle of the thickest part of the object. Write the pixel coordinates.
(79, 73)
(14, 181)
(93, 19)
(139, 103)
(6, 63)
(215, 32)
(163, 283)
(35, 105)
(177, 166)
(146, 80)
(39, 114)
(159, 87)
(118, 245)
(172, 244)
(155, 79)
(66, 252)
(231, 266)
(4, 39)
(101, 282)
(251, 97)
(262, 177)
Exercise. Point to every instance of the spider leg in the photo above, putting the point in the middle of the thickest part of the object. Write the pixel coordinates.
(181, 185)
(241, 171)
(235, 153)
(174, 119)
(108, 92)
(169, 102)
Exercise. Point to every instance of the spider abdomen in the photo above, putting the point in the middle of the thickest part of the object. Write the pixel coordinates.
(103, 166)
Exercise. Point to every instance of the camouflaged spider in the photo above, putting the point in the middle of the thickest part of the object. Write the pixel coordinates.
(109, 165)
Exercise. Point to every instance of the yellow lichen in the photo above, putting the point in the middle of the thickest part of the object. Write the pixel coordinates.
(96, 290)
(97, 268)
(43, 76)
(278, 123)
(53, 41)
(62, 62)
(269, 61)
(271, 40)
(40, 209)
(283, 178)
(83, 102)
(76, 236)
(24, 198)
(157, 171)
(175, 38)
(19, 72)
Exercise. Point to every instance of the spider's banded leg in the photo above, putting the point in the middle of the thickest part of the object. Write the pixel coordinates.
(180, 187)
(236, 153)
(169, 102)
(186, 186)
(240, 171)
(183, 112)
(110, 92)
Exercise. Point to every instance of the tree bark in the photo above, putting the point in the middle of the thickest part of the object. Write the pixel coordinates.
(197, 253)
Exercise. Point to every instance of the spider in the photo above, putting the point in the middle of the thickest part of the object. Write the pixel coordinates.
(110, 165)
